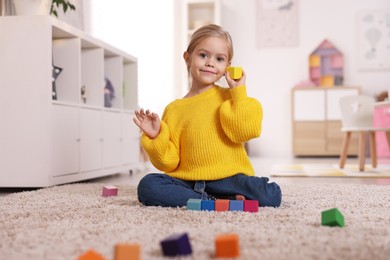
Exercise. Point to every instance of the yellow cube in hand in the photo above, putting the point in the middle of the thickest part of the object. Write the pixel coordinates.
(235, 72)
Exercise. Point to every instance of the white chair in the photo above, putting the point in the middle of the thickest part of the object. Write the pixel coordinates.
(357, 114)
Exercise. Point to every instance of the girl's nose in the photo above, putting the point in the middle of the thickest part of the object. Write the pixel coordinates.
(210, 64)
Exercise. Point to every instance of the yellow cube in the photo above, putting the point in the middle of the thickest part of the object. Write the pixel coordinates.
(235, 72)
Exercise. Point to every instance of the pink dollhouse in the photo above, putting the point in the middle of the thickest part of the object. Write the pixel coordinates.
(326, 65)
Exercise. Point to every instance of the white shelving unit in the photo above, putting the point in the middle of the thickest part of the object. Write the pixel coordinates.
(45, 142)
(196, 13)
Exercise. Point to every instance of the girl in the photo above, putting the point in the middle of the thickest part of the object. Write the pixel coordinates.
(198, 143)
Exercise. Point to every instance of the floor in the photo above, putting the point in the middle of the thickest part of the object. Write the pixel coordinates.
(262, 168)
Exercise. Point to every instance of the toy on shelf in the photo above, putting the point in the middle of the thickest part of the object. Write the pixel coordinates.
(326, 65)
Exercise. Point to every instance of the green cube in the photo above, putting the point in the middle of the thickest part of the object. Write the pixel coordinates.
(194, 204)
(332, 217)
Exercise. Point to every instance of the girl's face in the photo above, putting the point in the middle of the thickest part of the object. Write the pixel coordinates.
(208, 61)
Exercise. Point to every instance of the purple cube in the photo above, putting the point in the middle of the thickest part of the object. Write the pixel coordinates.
(176, 245)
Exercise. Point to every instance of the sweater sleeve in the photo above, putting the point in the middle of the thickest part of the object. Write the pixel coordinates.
(161, 151)
(241, 116)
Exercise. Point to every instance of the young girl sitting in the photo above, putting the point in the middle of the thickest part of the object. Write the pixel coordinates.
(198, 143)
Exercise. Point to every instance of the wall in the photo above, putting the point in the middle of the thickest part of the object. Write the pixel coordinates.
(145, 30)
(273, 72)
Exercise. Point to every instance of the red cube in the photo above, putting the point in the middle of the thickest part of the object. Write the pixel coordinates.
(222, 205)
(251, 205)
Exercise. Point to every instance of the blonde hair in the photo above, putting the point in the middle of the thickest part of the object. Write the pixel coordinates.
(211, 30)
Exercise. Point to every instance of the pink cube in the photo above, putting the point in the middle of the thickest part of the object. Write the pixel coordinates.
(109, 190)
(251, 205)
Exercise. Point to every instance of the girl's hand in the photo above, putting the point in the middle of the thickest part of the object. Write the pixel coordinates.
(148, 122)
(234, 83)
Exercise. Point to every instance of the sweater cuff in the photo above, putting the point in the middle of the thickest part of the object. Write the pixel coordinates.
(238, 93)
(158, 142)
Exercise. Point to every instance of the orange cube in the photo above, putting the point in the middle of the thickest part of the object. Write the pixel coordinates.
(127, 252)
(227, 245)
(222, 205)
(91, 255)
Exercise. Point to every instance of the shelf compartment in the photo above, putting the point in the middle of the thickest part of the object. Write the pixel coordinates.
(129, 87)
(92, 75)
(113, 73)
(66, 55)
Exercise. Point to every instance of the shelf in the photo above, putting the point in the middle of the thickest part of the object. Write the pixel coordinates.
(76, 135)
(382, 104)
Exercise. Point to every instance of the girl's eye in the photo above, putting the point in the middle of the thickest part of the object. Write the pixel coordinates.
(220, 59)
(203, 55)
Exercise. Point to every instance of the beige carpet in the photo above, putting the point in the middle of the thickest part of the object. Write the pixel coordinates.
(64, 221)
(329, 170)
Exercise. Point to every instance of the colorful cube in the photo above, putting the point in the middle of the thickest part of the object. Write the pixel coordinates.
(227, 245)
(127, 251)
(91, 255)
(251, 205)
(235, 72)
(222, 205)
(176, 245)
(194, 204)
(332, 217)
(208, 205)
(236, 205)
(109, 190)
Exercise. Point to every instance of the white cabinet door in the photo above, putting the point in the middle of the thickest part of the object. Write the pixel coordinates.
(333, 111)
(131, 135)
(90, 139)
(112, 139)
(309, 105)
(65, 140)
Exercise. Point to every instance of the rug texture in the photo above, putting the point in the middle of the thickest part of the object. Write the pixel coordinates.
(63, 222)
(329, 170)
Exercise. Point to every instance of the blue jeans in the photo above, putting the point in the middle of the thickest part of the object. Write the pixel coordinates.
(157, 189)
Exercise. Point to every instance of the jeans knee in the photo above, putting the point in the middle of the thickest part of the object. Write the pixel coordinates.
(276, 195)
(145, 186)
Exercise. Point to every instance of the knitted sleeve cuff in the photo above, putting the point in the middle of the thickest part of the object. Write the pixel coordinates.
(159, 143)
(238, 93)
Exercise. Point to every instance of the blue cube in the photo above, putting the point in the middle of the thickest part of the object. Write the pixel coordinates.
(175, 245)
(208, 205)
(236, 205)
(194, 204)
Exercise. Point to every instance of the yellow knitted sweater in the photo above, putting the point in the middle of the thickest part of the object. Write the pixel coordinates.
(201, 137)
